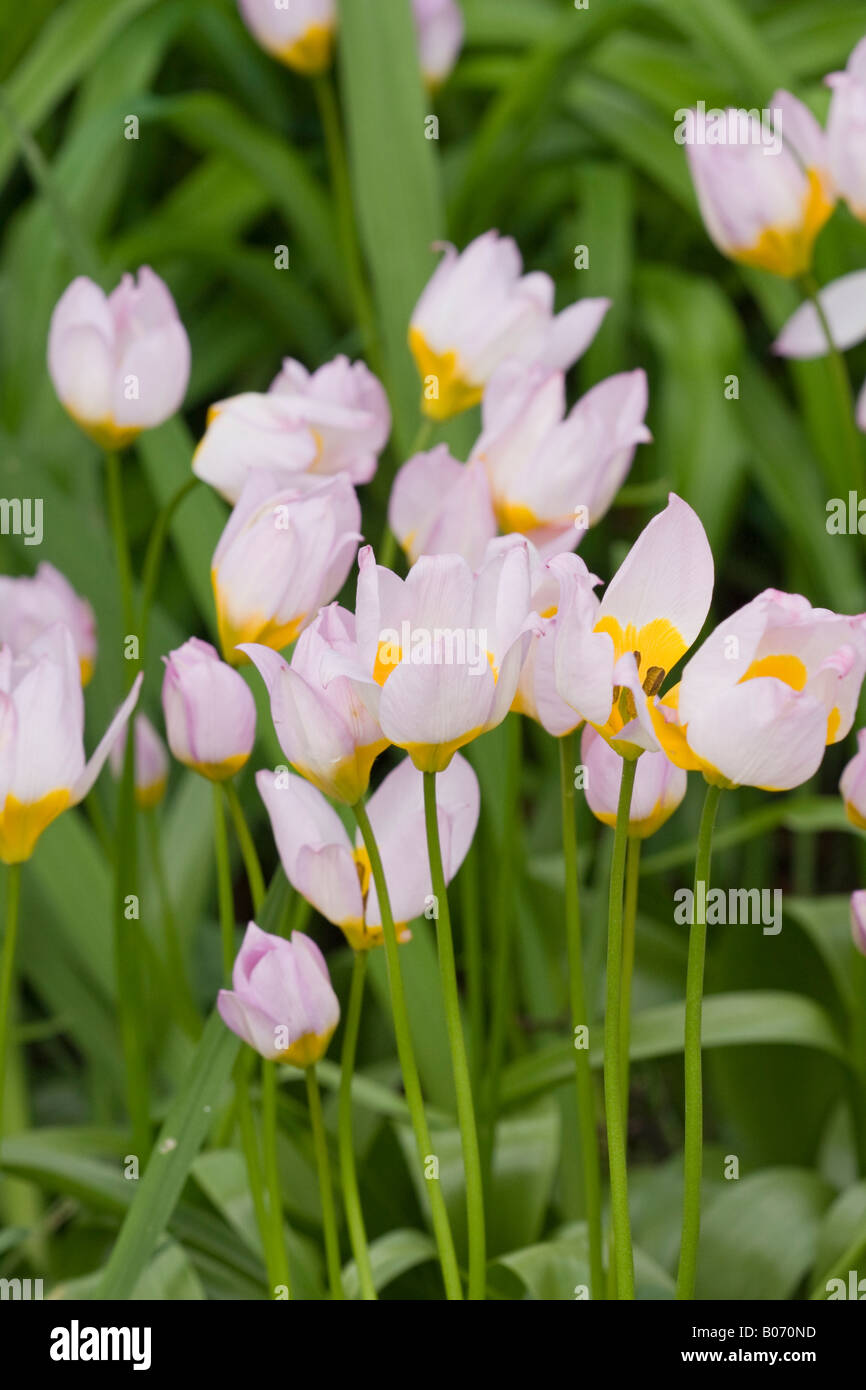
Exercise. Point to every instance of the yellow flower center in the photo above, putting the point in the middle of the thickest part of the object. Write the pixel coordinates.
(454, 392)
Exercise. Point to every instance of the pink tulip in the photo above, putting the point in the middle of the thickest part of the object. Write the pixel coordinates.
(323, 727)
(846, 131)
(43, 770)
(120, 364)
(300, 33)
(285, 552)
(210, 714)
(852, 784)
(764, 193)
(858, 920)
(440, 37)
(28, 606)
(611, 663)
(537, 695)
(324, 866)
(477, 310)
(659, 786)
(441, 507)
(765, 693)
(335, 420)
(282, 1001)
(439, 653)
(151, 763)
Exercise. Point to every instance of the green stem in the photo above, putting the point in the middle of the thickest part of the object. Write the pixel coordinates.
(841, 389)
(457, 1046)
(7, 969)
(613, 1106)
(248, 850)
(348, 1172)
(154, 553)
(501, 980)
(326, 1189)
(346, 221)
(694, 1120)
(244, 1111)
(408, 1065)
(470, 916)
(580, 1018)
(632, 881)
(184, 1005)
(278, 1267)
(858, 1054)
(224, 883)
(117, 521)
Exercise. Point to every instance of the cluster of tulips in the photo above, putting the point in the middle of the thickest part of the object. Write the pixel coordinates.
(495, 617)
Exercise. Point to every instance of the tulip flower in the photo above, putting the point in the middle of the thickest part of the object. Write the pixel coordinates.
(43, 770)
(439, 653)
(282, 1001)
(846, 131)
(537, 695)
(858, 920)
(610, 663)
(477, 310)
(285, 552)
(441, 507)
(335, 420)
(119, 364)
(324, 729)
(332, 873)
(151, 763)
(210, 714)
(767, 691)
(29, 606)
(440, 37)
(552, 475)
(659, 786)
(765, 191)
(299, 33)
(852, 784)
(843, 307)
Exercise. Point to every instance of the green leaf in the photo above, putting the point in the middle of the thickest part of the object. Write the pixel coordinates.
(169, 1277)
(557, 1270)
(391, 1255)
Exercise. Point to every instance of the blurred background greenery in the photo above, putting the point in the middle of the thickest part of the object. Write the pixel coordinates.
(557, 128)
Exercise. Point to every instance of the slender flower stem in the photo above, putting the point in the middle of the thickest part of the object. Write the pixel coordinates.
(342, 190)
(459, 1061)
(348, 1172)
(613, 1106)
(580, 1018)
(224, 883)
(7, 969)
(408, 1065)
(841, 389)
(154, 553)
(632, 883)
(279, 1267)
(244, 1111)
(185, 1010)
(694, 1118)
(117, 521)
(470, 916)
(501, 973)
(326, 1189)
(255, 876)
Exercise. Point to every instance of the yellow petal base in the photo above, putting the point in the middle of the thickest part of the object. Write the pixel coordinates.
(456, 392)
(307, 1050)
(220, 772)
(110, 437)
(255, 628)
(22, 822)
(311, 54)
(787, 251)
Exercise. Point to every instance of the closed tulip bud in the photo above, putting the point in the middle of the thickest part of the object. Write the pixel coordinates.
(537, 695)
(846, 131)
(479, 309)
(610, 664)
(151, 763)
(210, 714)
(659, 786)
(764, 192)
(282, 1001)
(766, 693)
(852, 784)
(858, 920)
(334, 420)
(323, 727)
(43, 770)
(439, 653)
(119, 363)
(285, 552)
(29, 606)
(333, 874)
(440, 37)
(300, 33)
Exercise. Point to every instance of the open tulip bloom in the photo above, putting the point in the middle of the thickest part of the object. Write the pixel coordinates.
(846, 131)
(28, 606)
(332, 873)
